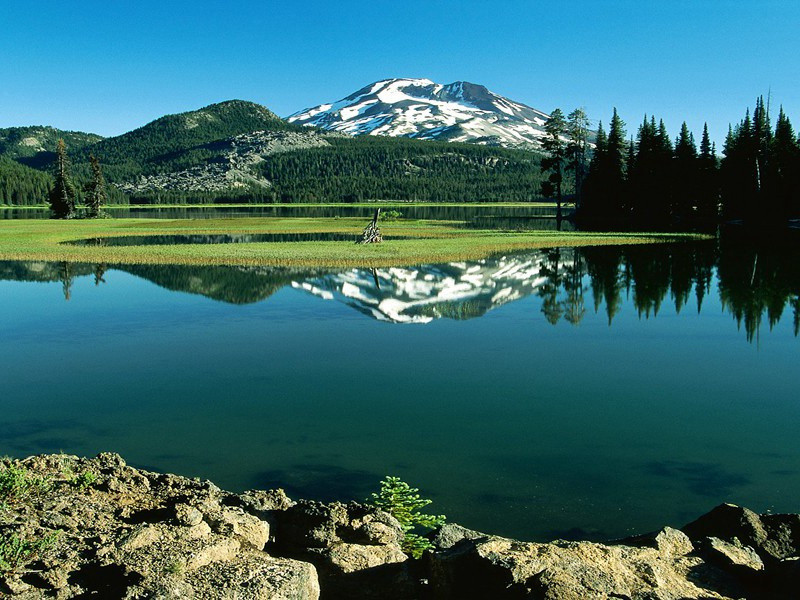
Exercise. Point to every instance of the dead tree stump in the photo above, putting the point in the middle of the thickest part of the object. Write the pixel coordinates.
(372, 233)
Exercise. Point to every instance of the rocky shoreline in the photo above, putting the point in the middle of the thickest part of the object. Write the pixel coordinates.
(75, 527)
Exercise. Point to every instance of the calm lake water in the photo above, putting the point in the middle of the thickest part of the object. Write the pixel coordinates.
(484, 216)
(561, 393)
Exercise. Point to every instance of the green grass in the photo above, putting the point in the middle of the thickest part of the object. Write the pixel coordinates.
(431, 241)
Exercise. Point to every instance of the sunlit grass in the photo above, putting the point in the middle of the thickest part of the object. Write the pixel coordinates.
(431, 241)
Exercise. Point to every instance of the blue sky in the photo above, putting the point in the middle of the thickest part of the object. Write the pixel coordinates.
(108, 67)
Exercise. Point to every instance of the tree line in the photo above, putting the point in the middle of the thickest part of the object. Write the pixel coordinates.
(653, 181)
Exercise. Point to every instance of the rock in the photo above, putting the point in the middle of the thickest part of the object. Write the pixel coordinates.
(668, 541)
(733, 555)
(783, 536)
(356, 548)
(265, 500)
(245, 527)
(449, 534)
(140, 537)
(727, 521)
(224, 549)
(773, 537)
(187, 515)
(347, 558)
(145, 535)
(250, 579)
(493, 567)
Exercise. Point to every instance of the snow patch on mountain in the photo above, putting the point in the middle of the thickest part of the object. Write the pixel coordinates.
(420, 108)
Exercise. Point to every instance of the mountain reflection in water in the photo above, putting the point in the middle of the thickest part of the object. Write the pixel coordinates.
(757, 282)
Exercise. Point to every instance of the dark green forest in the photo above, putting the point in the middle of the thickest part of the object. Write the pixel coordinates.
(652, 181)
(371, 168)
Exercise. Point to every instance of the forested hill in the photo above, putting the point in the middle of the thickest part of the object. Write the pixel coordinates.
(241, 151)
(35, 146)
(183, 131)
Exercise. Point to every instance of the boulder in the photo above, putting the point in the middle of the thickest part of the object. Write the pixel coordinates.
(356, 548)
(135, 534)
(494, 567)
(449, 534)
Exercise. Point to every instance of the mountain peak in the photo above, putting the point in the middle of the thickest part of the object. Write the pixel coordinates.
(421, 108)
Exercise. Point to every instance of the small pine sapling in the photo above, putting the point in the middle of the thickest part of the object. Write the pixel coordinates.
(403, 502)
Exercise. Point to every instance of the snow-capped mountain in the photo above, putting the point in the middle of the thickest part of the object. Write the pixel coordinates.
(419, 108)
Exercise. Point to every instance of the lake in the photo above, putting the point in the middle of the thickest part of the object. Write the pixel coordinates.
(569, 393)
(477, 215)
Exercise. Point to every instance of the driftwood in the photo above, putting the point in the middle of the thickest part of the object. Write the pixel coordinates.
(372, 234)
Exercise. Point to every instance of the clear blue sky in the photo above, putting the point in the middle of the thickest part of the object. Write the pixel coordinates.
(111, 66)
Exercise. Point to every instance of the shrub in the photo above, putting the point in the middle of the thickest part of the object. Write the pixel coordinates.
(16, 551)
(84, 480)
(390, 215)
(403, 502)
(17, 484)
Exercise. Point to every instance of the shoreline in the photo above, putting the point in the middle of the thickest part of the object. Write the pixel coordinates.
(117, 531)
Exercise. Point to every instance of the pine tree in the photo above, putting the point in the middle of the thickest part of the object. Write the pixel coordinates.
(786, 162)
(707, 183)
(577, 148)
(62, 195)
(96, 194)
(616, 154)
(554, 145)
(591, 205)
(686, 175)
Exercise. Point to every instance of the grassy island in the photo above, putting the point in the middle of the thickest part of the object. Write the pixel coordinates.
(422, 241)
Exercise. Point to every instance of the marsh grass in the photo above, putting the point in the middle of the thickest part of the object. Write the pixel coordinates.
(428, 241)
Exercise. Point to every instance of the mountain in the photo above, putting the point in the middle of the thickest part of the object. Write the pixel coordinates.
(419, 108)
(35, 146)
(239, 151)
(153, 147)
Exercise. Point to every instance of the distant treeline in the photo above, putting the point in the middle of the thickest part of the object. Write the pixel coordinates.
(348, 170)
(650, 181)
(371, 167)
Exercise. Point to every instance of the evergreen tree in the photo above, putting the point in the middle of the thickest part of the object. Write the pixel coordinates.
(96, 195)
(707, 180)
(786, 162)
(740, 185)
(762, 136)
(643, 171)
(577, 148)
(605, 185)
(62, 195)
(554, 145)
(686, 180)
(615, 159)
